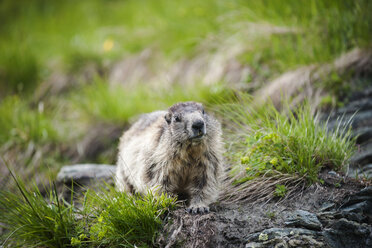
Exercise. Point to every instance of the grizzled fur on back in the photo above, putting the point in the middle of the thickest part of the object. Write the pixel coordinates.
(178, 151)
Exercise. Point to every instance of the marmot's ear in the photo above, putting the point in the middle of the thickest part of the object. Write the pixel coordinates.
(168, 117)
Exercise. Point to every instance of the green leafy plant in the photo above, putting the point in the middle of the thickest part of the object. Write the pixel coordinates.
(280, 190)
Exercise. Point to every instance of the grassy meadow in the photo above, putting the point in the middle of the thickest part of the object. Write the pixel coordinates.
(74, 74)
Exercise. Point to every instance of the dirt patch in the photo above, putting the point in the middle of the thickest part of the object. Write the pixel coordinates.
(232, 224)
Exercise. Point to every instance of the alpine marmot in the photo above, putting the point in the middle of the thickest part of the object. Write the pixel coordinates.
(178, 151)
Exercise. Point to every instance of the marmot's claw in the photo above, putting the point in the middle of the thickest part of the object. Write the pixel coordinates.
(197, 210)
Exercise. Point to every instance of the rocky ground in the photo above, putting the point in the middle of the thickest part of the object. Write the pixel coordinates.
(337, 213)
(359, 110)
(322, 216)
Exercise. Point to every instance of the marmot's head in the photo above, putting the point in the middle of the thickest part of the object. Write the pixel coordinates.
(187, 122)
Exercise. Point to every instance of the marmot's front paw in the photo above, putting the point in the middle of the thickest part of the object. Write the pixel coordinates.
(197, 210)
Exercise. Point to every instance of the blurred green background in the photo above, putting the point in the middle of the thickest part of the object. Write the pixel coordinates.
(74, 73)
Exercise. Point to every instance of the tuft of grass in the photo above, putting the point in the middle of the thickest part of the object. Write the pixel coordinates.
(292, 142)
(115, 103)
(279, 145)
(33, 221)
(123, 220)
(20, 124)
(103, 219)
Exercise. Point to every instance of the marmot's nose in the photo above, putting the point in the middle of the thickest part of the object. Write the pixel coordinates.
(198, 127)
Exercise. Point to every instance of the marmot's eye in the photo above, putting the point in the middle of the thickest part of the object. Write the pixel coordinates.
(203, 112)
(177, 118)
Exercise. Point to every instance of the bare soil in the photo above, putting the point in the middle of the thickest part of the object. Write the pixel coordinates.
(230, 224)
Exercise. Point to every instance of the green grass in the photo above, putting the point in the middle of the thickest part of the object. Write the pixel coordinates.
(19, 70)
(117, 104)
(35, 221)
(104, 219)
(124, 221)
(267, 142)
(20, 124)
(73, 33)
(40, 37)
(36, 33)
(322, 31)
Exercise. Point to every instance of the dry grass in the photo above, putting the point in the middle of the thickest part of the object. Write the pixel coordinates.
(261, 189)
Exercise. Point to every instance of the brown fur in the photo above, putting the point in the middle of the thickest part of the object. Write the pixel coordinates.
(166, 151)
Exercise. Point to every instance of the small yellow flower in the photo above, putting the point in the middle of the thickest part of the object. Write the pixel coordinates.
(100, 219)
(244, 160)
(108, 45)
(247, 168)
(274, 161)
(75, 241)
(82, 236)
(101, 234)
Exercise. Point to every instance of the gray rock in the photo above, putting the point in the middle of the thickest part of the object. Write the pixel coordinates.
(361, 162)
(285, 237)
(333, 173)
(357, 106)
(326, 206)
(359, 206)
(84, 173)
(362, 158)
(254, 245)
(366, 192)
(80, 177)
(327, 218)
(357, 114)
(301, 218)
(363, 195)
(363, 134)
(273, 233)
(359, 120)
(361, 94)
(345, 233)
(365, 171)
